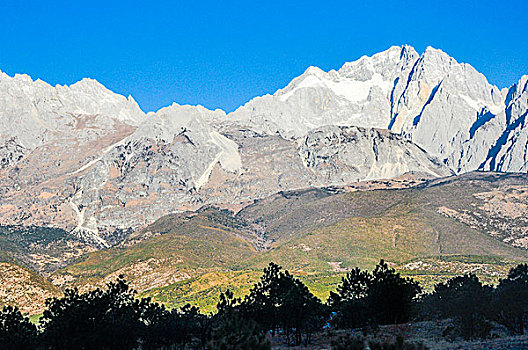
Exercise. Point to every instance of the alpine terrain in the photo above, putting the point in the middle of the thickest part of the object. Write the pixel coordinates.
(410, 157)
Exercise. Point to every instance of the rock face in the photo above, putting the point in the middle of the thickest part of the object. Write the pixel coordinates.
(340, 155)
(157, 169)
(48, 135)
(510, 150)
(10, 152)
(444, 107)
(188, 165)
(358, 94)
(85, 159)
(447, 108)
(36, 113)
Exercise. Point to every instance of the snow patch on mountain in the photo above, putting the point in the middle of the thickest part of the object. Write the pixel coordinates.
(352, 90)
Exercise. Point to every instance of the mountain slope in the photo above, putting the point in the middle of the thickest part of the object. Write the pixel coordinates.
(492, 203)
(42, 249)
(24, 288)
(319, 234)
(47, 135)
(88, 161)
(174, 248)
(151, 176)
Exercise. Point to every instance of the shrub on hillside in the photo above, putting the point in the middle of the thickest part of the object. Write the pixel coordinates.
(467, 301)
(235, 333)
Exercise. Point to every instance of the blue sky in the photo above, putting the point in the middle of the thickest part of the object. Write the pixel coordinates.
(222, 53)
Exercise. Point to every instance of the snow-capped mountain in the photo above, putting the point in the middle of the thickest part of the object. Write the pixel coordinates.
(445, 107)
(86, 159)
(357, 94)
(35, 112)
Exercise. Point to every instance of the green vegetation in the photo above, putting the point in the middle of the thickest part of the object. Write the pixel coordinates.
(39, 248)
(16, 331)
(186, 247)
(467, 301)
(279, 307)
(203, 290)
(209, 252)
(25, 236)
(363, 241)
(380, 297)
(235, 333)
(317, 234)
(35, 318)
(18, 241)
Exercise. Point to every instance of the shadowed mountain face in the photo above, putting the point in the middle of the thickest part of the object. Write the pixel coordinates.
(86, 160)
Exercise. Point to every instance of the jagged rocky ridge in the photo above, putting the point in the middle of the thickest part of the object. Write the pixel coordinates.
(90, 161)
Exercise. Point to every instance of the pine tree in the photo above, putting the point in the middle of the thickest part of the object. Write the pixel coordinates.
(16, 331)
(380, 297)
(467, 301)
(99, 319)
(390, 296)
(349, 301)
(511, 303)
(281, 301)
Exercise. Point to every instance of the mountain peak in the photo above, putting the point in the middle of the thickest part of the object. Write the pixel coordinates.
(523, 83)
(88, 84)
(376, 117)
(431, 52)
(313, 70)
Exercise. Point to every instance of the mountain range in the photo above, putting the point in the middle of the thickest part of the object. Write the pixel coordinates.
(83, 169)
(89, 161)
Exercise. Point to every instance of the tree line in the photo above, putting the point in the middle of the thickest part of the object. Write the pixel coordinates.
(113, 318)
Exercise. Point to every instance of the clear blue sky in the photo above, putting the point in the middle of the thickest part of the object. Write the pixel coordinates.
(222, 53)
